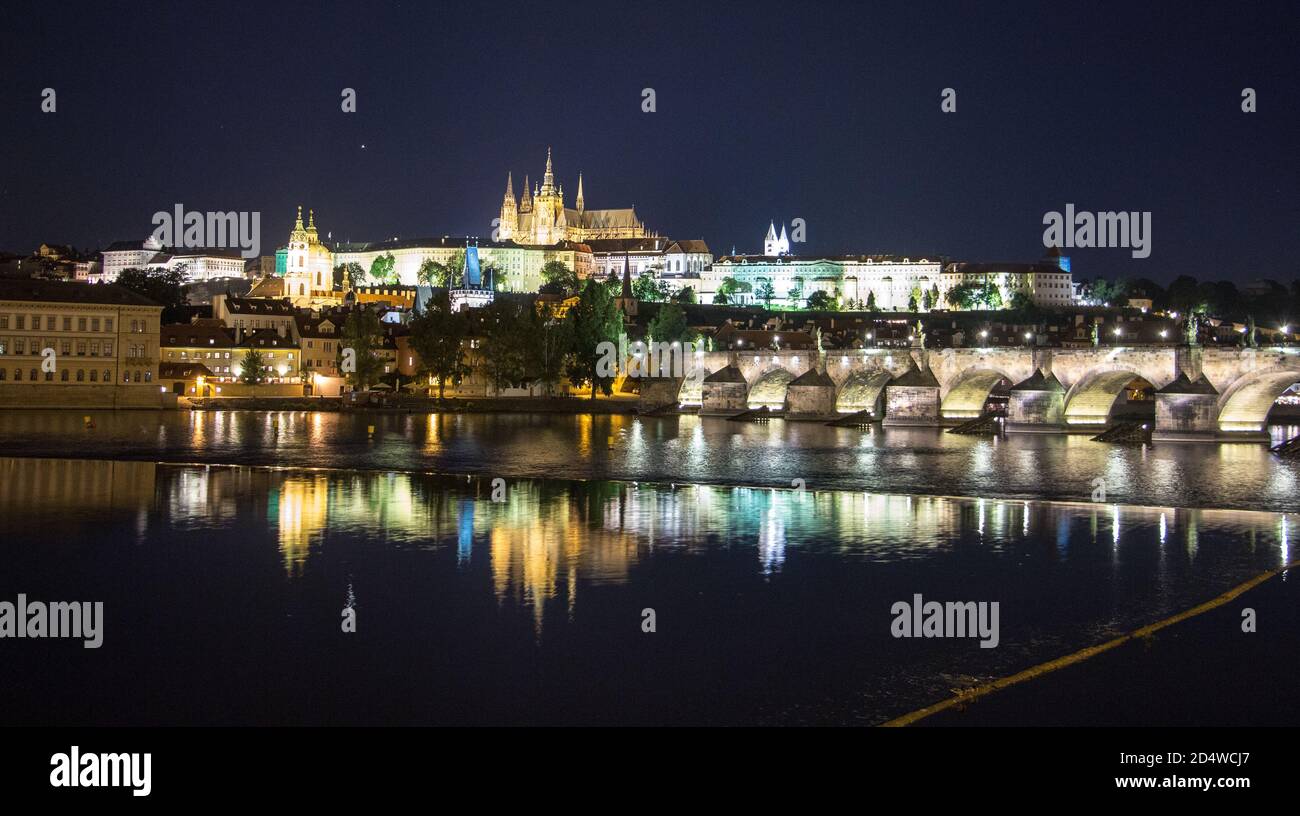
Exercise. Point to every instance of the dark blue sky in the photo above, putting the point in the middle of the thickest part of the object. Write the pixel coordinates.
(826, 112)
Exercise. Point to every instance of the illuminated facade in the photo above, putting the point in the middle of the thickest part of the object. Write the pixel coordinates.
(541, 219)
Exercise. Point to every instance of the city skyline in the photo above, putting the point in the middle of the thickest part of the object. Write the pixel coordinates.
(1048, 113)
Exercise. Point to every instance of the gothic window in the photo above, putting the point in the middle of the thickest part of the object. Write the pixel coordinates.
(63, 375)
(81, 375)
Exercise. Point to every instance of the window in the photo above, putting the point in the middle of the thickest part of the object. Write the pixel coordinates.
(94, 349)
(94, 324)
(2, 373)
(108, 348)
(94, 375)
(63, 375)
(67, 324)
(20, 346)
(20, 322)
(81, 375)
(81, 348)
(4, 321)
(108, 324)
(49, 323)
(148, 376)
(108, 375)
(81, 324)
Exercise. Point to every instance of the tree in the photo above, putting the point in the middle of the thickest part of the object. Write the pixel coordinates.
(975, 295)
(358, 343)
(720, 298)
(914, 299)
(382, 269)
(557, 274)
(871, 301)
(765, 293)
(730, 287)
(593, 320)
(438, 336)
(548, 343)
(166, 287)
(252, 368)
(670, 326)
(355, 273)
(820, 301)
(504, 350)
(927, 300)
(647, 288)
(433, 273)
(685, 295)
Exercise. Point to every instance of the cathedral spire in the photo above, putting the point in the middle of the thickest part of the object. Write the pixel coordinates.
(579, 201)
(297, 224)
(548, 178)
(526, 200)
(510, 187)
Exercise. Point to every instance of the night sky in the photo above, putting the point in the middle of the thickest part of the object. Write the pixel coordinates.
(764, 111)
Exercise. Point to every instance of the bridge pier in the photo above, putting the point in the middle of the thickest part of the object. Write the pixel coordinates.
(1187, 410)
(724, 392)
(656, 392)
(912, 399)
(1036, 405)
(811, 395)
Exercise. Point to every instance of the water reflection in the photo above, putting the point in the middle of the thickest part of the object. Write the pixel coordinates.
(678, 449)
(741, 576)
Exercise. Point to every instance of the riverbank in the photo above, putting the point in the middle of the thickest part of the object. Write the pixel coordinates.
(410, 405)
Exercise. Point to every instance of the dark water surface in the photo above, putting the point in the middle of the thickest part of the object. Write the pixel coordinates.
(224, 585)
(679, 449)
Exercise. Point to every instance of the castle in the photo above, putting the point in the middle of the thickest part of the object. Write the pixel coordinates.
(541, 219)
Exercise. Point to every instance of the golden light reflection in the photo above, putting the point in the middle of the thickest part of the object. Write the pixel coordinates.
(303, 514)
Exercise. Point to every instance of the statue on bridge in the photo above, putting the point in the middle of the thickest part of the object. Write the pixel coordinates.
(920, 333)
(1252, 337)
(1193, 329)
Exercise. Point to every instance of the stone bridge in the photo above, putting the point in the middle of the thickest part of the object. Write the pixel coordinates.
(1200, 392)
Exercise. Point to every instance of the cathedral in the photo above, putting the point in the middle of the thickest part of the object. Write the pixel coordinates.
(309, 267)
(541, 219)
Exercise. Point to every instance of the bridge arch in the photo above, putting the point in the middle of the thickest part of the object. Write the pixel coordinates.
(769, 389)
(968, 394)
(1244, 406)
(862, 391)
(1091, 400)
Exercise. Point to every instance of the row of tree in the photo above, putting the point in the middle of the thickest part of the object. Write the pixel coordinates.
(1268, 301)
(512, 341)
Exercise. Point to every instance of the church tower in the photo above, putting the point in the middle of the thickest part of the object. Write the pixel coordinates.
(579, 202)
(509, 223)
(783, 243)
(526, 201)
(770, 246)
(548, 209)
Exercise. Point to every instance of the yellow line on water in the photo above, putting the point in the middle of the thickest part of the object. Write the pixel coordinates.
(1083, 654)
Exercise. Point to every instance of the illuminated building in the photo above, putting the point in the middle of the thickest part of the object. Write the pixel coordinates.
(67, 344)
(541, 219)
